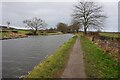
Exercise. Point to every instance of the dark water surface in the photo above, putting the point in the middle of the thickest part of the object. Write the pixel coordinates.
(21, 55)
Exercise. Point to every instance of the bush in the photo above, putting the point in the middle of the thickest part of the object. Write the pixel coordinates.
(30, 33)
(4, 31)
(15, 31)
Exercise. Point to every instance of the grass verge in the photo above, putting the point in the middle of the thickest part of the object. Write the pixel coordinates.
(53, 66)
(97, 63)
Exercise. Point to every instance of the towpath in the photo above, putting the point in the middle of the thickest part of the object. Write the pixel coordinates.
(75, 66)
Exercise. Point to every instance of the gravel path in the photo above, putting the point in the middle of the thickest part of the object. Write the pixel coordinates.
(75, 66)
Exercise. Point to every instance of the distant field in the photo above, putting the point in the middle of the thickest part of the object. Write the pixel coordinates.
(114, 35)
(23, 31)
(17, 31)
(30, 32)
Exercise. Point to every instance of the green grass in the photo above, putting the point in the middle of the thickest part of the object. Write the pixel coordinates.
(97, 63)
(113, 35)
(23, 31)
(54, 65)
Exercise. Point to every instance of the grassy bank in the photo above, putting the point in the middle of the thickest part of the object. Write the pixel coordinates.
(97, 63)
(54, 65)
(11, 34)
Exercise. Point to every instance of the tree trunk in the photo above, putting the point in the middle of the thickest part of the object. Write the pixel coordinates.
(77, 30)
(35, 32)
(85, 31)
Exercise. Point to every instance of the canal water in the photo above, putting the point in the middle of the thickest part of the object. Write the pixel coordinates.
(19, 56)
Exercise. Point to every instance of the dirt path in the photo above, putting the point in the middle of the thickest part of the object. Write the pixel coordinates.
(75, 66)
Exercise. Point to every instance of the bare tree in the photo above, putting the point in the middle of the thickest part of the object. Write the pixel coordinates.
(8, 24)
(75, 26)
(35, 24)
(89, 15)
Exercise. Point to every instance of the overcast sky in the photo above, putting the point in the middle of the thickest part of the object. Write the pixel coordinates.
(52, 13)
(119, 16)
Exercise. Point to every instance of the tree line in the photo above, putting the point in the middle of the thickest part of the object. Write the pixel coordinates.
(64, 28)
(86, 15)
